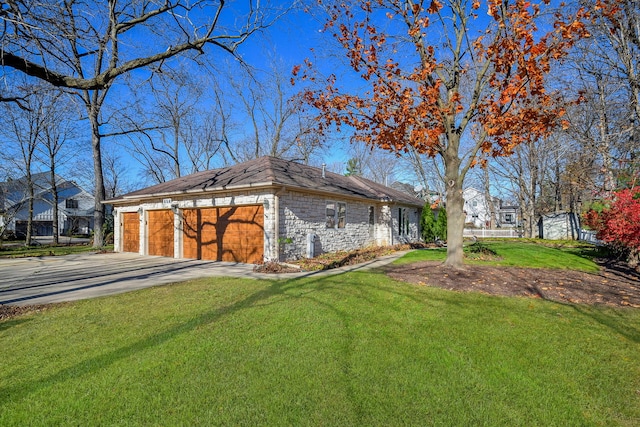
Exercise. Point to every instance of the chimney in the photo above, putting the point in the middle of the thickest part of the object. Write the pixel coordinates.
(324, 168)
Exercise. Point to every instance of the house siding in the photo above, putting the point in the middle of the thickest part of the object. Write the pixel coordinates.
(77, 220)
(413, 232)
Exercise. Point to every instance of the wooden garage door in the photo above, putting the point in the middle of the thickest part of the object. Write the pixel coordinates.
(130, 232)
(160, 232)
(233, 234)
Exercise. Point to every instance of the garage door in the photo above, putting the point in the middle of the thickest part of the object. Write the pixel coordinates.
(160, 232)
(233, 234)
(130, 232)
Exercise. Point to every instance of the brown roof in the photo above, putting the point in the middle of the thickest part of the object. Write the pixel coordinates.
(272, 172)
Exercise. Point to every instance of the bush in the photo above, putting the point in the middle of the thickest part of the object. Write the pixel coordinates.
(618, 223)
(433, 228)
(427, 224)
(441, 224)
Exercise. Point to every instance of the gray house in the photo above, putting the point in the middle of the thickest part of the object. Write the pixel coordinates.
(261, 210)
(75, 206)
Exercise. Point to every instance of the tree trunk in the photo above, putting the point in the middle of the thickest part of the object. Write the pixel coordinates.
(27, 241)
(455, 205)
(99, 192)
(491, 206)
(54, 195)
(604, 148)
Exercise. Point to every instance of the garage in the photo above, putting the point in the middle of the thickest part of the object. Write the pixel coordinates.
(160, 232)
(234, 234)
(131, 232)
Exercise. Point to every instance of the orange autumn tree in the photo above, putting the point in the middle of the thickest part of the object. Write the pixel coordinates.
(459, 79)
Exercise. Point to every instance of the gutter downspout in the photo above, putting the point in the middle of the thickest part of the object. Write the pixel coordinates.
(276, 219)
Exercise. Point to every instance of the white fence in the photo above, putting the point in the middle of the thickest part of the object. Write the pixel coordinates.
(486, 232)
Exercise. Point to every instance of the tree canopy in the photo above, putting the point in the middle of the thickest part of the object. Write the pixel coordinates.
(456, 79)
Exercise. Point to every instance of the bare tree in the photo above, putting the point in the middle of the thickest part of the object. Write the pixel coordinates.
(57, 129)
(278, 126)
(86, 45)
(23, 127)
(175, 97)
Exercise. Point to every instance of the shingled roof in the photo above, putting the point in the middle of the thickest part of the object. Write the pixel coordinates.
(271, 172)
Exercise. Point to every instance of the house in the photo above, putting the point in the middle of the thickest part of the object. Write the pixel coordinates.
(261, 210)
(478, 214)
(75, 206)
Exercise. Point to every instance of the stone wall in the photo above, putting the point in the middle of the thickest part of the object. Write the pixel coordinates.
(303, 214)
(413, 233)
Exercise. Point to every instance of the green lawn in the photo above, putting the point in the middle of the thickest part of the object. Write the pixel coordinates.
(532, 254)
(354, 349)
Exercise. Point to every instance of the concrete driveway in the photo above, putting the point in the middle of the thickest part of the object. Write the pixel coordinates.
(44, 280)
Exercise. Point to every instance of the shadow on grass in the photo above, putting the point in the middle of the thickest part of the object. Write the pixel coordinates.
(284, 290)
(8, 324)
(18, 392)
(610, 319)
(308, 288)
(356, 285)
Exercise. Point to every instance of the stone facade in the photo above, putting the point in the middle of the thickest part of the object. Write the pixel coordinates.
(298, 215)
(367, 223)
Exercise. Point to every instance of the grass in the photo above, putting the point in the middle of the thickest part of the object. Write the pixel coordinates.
(349, 350)
(530, 254)
(45, 250)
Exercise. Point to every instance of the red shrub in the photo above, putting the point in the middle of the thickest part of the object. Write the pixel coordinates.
(619, 223)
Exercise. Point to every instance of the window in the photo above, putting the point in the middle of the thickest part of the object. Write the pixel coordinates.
(508, 218)
(336, 213)
(71, 204)
(371, 216)
(403, 221)
(342, 215)
(331, 215)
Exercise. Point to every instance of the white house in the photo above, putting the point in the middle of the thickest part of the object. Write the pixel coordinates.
(261, 210)
(75, 206)
(478, 214)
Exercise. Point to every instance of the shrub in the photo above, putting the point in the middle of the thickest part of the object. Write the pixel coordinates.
(427, 224)
(618, 223)
(441, 224)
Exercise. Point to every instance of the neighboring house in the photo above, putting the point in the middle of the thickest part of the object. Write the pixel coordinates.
(507, 215)
(478, 214)
(75, 206)
(559, 226)
(265, 209)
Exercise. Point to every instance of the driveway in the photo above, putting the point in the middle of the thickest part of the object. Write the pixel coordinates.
(44, 280)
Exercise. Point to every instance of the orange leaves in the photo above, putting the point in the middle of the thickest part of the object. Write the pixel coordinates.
(416, 95)
(434, 7)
